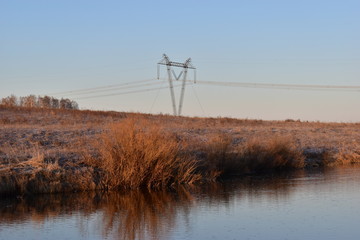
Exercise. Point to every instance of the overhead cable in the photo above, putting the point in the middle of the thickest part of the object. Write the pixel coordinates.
(114, 88)
(123, 93)
(102, 87)
(283, 86)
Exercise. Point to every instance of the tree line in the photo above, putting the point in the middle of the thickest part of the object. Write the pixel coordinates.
(33, 101)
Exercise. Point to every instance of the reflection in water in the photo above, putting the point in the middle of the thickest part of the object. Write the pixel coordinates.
(153, 215)
(136, 215)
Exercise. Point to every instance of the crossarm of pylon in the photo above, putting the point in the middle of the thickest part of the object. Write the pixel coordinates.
(177, 64)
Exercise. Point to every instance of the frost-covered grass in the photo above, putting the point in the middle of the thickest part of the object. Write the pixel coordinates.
(44, 150)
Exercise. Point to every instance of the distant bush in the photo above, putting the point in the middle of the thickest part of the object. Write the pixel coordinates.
(33, 101)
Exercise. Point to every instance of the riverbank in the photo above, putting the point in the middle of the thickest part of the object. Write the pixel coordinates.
(43, 150)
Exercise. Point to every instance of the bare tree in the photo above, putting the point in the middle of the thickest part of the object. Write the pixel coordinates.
(44, 102)
(29, 101)
(32, 101)
(10, 101)
(55, 103)
(65, 103)
(74, 105)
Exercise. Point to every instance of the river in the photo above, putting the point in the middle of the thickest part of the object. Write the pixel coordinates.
(307, 204)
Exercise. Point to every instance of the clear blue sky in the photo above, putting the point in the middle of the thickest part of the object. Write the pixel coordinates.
(52, 46)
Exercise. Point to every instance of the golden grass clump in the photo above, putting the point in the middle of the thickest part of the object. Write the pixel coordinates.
(343, 157)
(224, 160)
(275, 153)
(220, 157)
(137, 153)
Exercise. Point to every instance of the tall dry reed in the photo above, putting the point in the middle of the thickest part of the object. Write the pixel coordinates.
(275, 153)
(137, 153)
(220, 157)
(224, 160)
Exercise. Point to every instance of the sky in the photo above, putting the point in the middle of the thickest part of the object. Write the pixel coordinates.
(48, 47)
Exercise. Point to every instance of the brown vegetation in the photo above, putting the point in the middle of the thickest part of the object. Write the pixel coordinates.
(136, 154)
(255, 155)
(275, 153)
(55, 150)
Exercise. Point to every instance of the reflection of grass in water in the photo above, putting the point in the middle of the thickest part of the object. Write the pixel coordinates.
(153, 214)
(124, 215)
(144, 215)
(128, 215)
(42, 207)
(132, 214)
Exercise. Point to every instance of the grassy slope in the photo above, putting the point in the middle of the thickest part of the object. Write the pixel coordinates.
(44, 150)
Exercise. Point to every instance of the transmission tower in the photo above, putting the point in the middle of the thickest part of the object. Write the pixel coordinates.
(170, 71)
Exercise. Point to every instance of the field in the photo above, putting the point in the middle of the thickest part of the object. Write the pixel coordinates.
(57, 150)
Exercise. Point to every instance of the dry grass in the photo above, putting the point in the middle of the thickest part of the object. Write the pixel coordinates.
(27, 181)
(220, 159)
(44, 150)
(275, 153)
(136, 153)
(254, 155)
(343, 157)
(39, 174)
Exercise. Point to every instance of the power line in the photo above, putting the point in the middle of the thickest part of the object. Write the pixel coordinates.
(150, 82)
(114, 88)
(157, 95)
(283, 86)
(123, 93)
(198, 100)
(101, 87)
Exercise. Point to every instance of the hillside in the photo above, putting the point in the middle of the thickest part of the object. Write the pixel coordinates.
(61, 142)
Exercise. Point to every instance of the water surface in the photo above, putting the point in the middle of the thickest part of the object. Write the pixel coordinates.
(317, 204)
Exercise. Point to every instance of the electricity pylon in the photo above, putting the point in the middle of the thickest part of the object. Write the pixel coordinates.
(185, 66)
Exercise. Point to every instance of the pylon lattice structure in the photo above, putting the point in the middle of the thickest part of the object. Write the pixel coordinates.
(171, 73)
